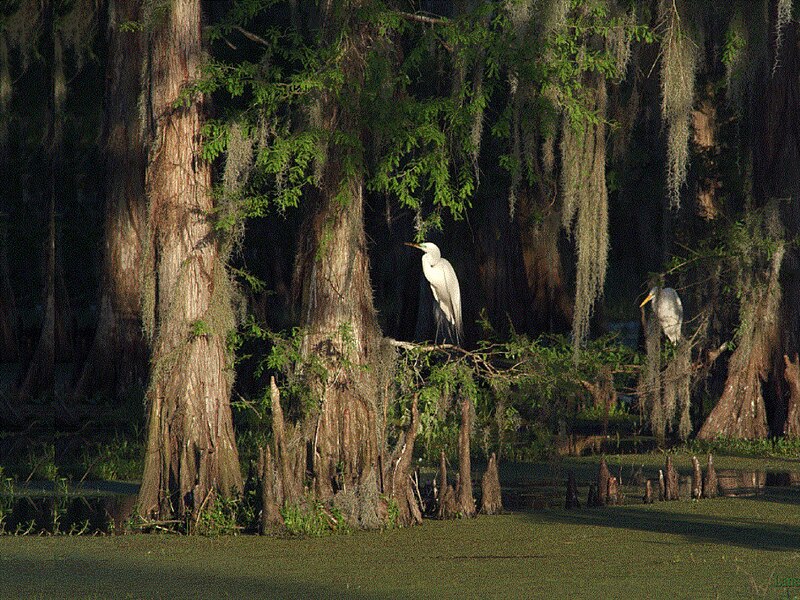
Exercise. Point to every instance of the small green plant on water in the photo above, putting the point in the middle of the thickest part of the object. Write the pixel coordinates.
(60, 504)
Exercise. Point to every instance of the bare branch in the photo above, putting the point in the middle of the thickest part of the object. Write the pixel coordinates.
(423, 18)
(252, 36)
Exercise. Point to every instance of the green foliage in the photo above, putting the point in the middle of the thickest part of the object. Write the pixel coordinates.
(117, 460)
(734, 45)
(200, 328)
(41, 463)
(521, 390)
(221, 516)
(6, 500)
(764, 448)
(422, 138)
(313, 519)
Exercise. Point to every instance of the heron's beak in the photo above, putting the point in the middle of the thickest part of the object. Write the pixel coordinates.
(417, 246)
(646, 300)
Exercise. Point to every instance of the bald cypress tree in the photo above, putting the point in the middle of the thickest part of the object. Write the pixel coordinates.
(191, 455)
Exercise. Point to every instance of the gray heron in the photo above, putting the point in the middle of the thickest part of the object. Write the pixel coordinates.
(668, 309)
(446, 293)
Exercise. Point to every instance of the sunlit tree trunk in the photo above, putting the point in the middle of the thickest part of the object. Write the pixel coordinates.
(118, 357)
(191, 454)
(338, 316)
(341, 328)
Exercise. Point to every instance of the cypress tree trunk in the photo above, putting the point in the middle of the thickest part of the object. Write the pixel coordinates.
(9, 318)
(118, 356)
(9, 324)
(38, 379)
(341, 328)
(191, 453)
(344, 432)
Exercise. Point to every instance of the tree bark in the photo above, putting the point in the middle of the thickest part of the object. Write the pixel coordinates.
(603, 476)
(464, 497)
(741, 412)
(572, 492)
(399, 486)
(345, 430)
(491, 497)
(697, 479)
(117, 360)
(670, 481)
(446, 498)
(792, 375)
(710, 482)
(191, 454)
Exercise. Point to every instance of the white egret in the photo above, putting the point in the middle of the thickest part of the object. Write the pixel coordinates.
(446, 293)
(668, 309)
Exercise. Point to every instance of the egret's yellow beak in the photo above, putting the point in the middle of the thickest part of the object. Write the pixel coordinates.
(646, 300)
(417, 246)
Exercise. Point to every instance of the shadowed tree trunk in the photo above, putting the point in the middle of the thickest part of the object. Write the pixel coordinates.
(9, 318)
(190, 454)
(741, 412)
(117, 360)
(792, 375)
(38, 378)
(551, 301)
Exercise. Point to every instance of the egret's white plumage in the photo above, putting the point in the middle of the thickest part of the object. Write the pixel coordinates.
(668, 309)
(446, 293)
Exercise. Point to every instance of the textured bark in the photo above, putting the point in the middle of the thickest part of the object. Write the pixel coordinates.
(792, 375)
(38, 378)
(740, 412)
(613, 496)
(191, 454)
(602, 483)
(670, 481)
(9, 318)
(399, 486)
(648, 492)
(446, 507)
(338, 317)
(270, 505)
(697, 479)
(552, 304)
(491, 498)
(464, 497)
(117, 360)
(704, 136)
(710, 482)
(337, 298)
(288, 481)
(592, 498)
(502, 271)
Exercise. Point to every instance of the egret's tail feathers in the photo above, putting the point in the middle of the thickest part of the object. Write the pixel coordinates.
(447, 331)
